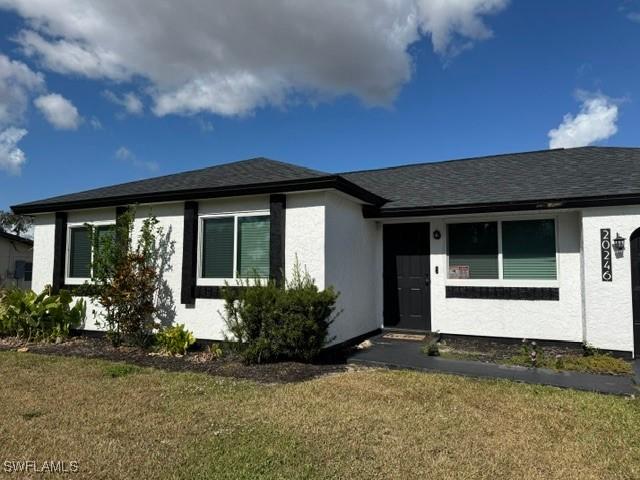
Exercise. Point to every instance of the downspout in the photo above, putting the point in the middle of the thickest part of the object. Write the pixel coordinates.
(583, 302)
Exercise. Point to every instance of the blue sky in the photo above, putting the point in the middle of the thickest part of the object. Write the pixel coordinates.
(488, 77)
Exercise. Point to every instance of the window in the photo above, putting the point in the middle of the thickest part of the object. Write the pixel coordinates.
(473, 250)
(526, 250)
(235, 246)
(529, 249)
(28, 271)
(80, 250)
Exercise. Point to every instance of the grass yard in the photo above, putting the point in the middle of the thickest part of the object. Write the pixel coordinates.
(125, 422)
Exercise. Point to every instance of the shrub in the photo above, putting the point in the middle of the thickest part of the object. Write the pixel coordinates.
(432, 345)
(175, 340)
(271, 323)
(39, 317)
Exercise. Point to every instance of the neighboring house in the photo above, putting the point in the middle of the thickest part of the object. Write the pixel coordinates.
(539, 245)
(16, 256)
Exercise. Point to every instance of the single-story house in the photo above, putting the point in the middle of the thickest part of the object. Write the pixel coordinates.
(16, 254)
(538, 245)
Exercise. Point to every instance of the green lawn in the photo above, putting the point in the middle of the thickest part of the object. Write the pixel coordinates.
(130, 422)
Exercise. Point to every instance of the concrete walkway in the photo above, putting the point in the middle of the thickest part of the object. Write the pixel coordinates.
(407, 354)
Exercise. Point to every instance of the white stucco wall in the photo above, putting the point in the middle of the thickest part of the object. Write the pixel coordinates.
(305, 234)
(552, 320)
(44, 229)
(352, 266)
(608, 305)
(305, 238)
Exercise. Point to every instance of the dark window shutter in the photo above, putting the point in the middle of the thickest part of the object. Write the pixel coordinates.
(189, 253)
(59, 250)
(277, 217)
(217, 248)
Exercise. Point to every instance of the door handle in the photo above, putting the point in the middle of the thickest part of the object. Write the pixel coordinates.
(427, 281)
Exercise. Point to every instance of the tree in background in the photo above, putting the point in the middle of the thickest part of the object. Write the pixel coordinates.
(12, 223)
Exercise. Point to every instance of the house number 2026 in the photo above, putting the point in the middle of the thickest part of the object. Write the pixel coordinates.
(605, 254)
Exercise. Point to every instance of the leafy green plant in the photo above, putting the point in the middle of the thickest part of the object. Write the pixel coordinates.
(215, 350)
(175, 340)
(125, 279)
(431, 346)
(589, 350)
(39, 317)
(270, 322)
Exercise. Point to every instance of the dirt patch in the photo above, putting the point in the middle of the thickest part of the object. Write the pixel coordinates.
(229, 365)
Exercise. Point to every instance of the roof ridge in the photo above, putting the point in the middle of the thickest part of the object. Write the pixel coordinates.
(464, 159)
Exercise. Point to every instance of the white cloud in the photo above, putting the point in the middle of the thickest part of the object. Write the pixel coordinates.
(129, 101)
(126, 155)
(11, 157)
(58, 111)
(455, 24)
(17, 83)
(596, 121)
(229, 58)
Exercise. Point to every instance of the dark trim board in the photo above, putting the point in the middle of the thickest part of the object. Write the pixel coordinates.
(316, 183)
(504, 293)
(214, 292)
(59, 251)
(189, 253)
(375, 211)
(277, 222)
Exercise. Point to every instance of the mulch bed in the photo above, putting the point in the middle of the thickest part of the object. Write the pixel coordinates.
(229, 365)
(492, 351)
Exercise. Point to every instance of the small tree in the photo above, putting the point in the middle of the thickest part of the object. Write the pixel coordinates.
(12, 223)
(124, 278)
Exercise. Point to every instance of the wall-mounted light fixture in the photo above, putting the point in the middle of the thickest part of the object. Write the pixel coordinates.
(436, 234)
(618, 242)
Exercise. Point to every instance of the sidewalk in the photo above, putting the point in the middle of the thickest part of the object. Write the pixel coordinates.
(407, 354)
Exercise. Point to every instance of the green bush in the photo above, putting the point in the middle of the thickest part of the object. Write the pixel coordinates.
(39, 317)
(175, 340)
(431, 346)
(271, 323)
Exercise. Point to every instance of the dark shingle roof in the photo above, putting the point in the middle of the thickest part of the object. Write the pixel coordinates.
(541, 175)
(245, 172)
(15, 238)
(501, 180)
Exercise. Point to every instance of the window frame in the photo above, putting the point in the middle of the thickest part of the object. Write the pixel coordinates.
(68, 279)
(214, 282)
(501, 281)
